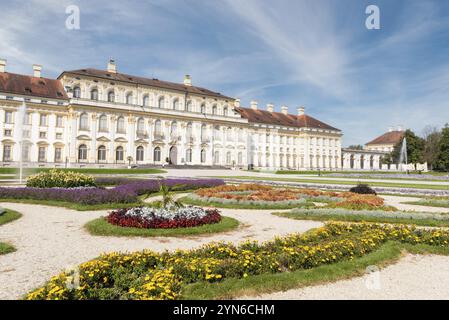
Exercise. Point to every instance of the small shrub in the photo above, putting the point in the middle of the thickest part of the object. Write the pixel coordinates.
(363, 189)
(60, 179)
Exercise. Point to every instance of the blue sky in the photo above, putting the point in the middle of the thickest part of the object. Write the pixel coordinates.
(315, 53)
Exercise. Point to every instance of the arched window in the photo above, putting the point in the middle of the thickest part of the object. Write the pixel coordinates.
(229, 136)
(111, 96)
(84, 121)
(121, 125)
(175, 104)
(203, 133)
(103, 123)
(7, 153)
(189, 106)
(140, 127)
(203, 108)
(129, 98)
(203, 156)
(241, 137)
(217, 135)
(173, 129)
(101, 153)
(157, 154)
(161, 102)
(82, 152)
(94, 94)
(77, 92)
(146, 100)
(139, 153)
(189, 155)
(189, 131)
(119, 154)
(158, 128)
(217, 157)
(228, 157)
(214, 110)
(225, 111)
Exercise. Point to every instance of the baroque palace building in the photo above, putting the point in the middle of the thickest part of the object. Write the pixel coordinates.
(102, 118)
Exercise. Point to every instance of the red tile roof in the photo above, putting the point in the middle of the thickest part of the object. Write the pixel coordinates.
(145, 81)
(278, 118)
(391, 137)
(11, 83)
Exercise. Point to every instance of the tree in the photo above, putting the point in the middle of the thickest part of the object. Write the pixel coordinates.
(415, 148)
(443, 156)
(432, 137)
(356, 147)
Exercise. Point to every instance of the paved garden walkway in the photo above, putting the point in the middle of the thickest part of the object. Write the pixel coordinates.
(397, 201)
(50, 239)
(413, 277)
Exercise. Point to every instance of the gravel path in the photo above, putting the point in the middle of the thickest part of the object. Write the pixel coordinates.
(50, 239)
(396, 201)
(413, 277)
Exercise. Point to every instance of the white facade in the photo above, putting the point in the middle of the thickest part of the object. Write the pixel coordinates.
(113, 123)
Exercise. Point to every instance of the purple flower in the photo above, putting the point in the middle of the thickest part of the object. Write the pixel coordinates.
(123, 193)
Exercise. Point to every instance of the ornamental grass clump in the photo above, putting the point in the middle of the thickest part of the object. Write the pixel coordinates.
(151, 275)
(60, 179)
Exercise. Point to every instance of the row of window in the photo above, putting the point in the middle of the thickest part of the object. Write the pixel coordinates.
(161, 103)
(157, 154)
(42, 153)
(43, 119)
(26, 134)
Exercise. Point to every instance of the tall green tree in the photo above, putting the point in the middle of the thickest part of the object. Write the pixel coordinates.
(443, 156)
(415, 148)
(432, 137)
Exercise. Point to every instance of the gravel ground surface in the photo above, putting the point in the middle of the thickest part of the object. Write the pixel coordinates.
(413, 277)
(396, 201)
(50, 239)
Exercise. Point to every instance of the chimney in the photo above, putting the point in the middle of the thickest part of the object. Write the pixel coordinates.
(187, 80)
(2, 65)
(37, 70)
(284, 110)
(301, 111)
(112, 67)
(237, 103)
(254, 105)
(270, 107)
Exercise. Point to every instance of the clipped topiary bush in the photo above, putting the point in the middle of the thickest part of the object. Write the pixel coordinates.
(60, 179)
(362, 189)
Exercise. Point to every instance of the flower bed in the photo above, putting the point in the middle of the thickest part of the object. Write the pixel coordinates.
(154, 218)
(151, 275)
(60, 179)
(125, 193)
(262, 196)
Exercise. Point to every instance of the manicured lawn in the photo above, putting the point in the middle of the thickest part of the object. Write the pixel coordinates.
(195, 202)
(268, 283)
(6, 248)
(362, 218)
(9, 216)
(74, 206)
(29, 171)
(100, 227)
(434, 173)
(343, 182)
